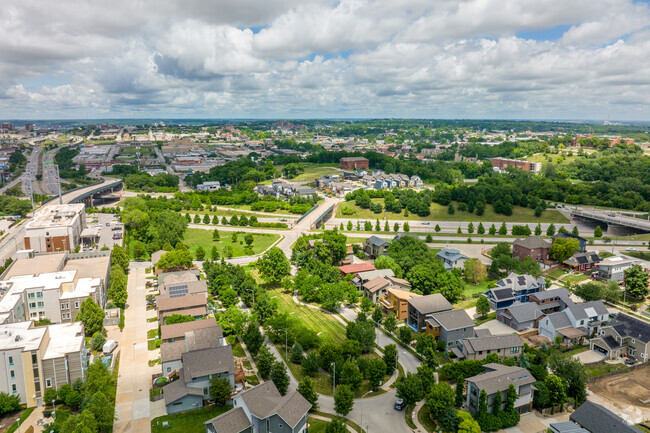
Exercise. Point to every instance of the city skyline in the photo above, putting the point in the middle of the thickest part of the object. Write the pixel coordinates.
(543, 60)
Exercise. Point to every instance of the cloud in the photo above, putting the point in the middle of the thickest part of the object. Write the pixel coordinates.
(294, 58)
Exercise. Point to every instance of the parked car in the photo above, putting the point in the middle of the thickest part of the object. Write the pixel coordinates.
(108, 224)
(426, 223)
(283, 219)
(400, 404)
(109, 346)
(630, 249)
(117, 228)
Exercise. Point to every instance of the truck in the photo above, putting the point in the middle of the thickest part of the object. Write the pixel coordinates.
(109, 347)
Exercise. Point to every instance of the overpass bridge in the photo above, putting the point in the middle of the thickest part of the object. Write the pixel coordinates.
(615, 222)
(89, 194)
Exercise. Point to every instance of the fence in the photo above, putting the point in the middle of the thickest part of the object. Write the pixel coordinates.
(613, 373)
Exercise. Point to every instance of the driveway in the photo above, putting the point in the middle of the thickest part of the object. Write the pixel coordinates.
(132, 408)
(531, 423)
(496, 327)
(589, 356)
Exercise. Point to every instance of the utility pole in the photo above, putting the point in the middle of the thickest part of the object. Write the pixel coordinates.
(58, 179)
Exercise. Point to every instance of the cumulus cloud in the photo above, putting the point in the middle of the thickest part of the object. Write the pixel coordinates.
(297, 58)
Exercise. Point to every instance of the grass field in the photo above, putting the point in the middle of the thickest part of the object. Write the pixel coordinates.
(471, 294)
(313, 172)
(602, 368)
(317, 425)
(132, 150)
(237, 349)
(439, 213)
(187, 422)
(196, 237)
(575, 279)
(557, 273)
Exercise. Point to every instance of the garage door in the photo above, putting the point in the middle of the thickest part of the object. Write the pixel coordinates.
(600, 349)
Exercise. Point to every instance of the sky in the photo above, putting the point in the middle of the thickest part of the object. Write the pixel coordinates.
(496, 59)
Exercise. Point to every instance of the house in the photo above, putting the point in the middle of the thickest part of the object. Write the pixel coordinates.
(613, 268)
(450, 326)
(356, 268)
(451, 258)
(582, 242)
(175, 287)
(177, 331)
(375, 246)
(520, 316)
(263, 409)
(421, 307)
(573, 323)
(513, 288)
(416, 182)
(534, 247)
(188, 305)
(552, 301)
(495, 382)
(201, 338)
(623, 336)
(597, 419)
(192, 387)
(375, 289)
(353, 163)
(581, 262)
(363, 277)
(479, 348)
(396, 301)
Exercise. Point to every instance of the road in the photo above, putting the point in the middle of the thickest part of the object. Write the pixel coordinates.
(182, 186)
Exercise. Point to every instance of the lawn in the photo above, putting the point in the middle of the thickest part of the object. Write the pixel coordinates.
(575, 278)
(602, 368)
(187, 422)
(23, 416)
(424, 416)
(472, 292)
(313, 172)
(317, 425)
(557, 273)
(132, 150)
(490, 316)
(237, 349)
(203, 237)
(439, 213)
(152, 333)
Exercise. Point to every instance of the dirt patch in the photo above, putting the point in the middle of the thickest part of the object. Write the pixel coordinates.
(631, 388)
(535, 340)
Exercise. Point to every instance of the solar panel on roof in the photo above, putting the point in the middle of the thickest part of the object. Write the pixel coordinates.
(176, 291)
(582, 260)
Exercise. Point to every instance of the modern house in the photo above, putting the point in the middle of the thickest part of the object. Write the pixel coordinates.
(582, 242)
(356, 268)
(552, 301)
(581, 262)
(534, 247)
(396, 301)
(495, 382)
(520, 316)
(192, 387)
(450, 326)
(623, 336)
(376, 289)
(362, 278)
(574, 323)
(188, 305)
(176, 331)
(613, 268)
(262, 409)
(174, 289)
(421, 307)
(171, 354)
(598, 419)
(513, 288)
(451, 258)
(375, 246)
(480, 347)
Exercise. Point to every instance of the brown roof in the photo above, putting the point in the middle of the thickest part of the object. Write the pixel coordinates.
(571, 332)
(430, 303)
(356, 268)
(178, 330)
(399, 281)
(188, 287)
(375, 284)
(197, 311)
(155, 257)
(402, 294)
(187, 301)
(182, 277)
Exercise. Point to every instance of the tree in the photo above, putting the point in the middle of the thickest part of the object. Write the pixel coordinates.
(467, 424)
(390, 322)
(405, 335)
(310, 363)
(556, 390)
(367, 226)
(386, 227)
(280, 377)
(343, 400)
(214, 253)
(591, 291)
(470, 228)
(538, 229)
(386, 262)
(449, 421)
(337, 425)
(200, 253)
(636, 282)
(550, 231)
(562, 249)
(224, 221)
(265, 360)
(178, 318)
(296, 353)
(220, 390)
(9, 403)
(396, 227)
(349, 225)
(574, 231)
(441, 398)
(459, 399)
(437, 228)
(481, 229)
(459, 231)
(253, 338)
(410, 388)
(366, 305)
(406, 227)
(475, 271)
(197, 218)
(215, 235)
(120, 258)
(350, 374)
(493, 230)
(450, 209)
(92, 316)
(206, 219)
(503, 230)
(98, 341)
(375, 371)
(273, 265)
(248, 238)
(482, 306)
(306, 389)
(175, 260)
(390, 358)
(573, 372)
(598, 232)
(377, 315)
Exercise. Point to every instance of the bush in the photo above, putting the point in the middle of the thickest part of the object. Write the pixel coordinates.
(98, 341)
(9, 403)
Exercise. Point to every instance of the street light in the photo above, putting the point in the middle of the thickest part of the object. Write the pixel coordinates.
(334, 378)
(286, 339)
(362, 408)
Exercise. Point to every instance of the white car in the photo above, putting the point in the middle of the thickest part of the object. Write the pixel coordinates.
(630, 249)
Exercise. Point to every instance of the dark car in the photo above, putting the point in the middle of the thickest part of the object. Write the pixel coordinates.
(400, 404)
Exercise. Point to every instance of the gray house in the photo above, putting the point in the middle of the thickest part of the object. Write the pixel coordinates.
(480, 347)
(495, 382)
(451, 258)
(197, 339)
(262, 409)
(520, 316)
(421, 307)
(450, 326)
(375, 246)
(623, 336)
(574, 323)
(192, 387)
(597, 419)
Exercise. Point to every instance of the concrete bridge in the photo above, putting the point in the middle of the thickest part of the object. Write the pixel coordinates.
(90, 194)
(617, 224)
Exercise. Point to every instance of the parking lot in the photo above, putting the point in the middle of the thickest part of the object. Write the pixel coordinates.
(106, 232)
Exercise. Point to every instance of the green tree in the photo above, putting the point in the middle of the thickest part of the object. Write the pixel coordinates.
(366, 305)
(306, 389)
(556, 390)
(253, 338)
(390, 322)
(351, 375)
(437, 228)
(481, 229)
(503, 230)
(214, 253)
(636, 282)
(92, 316)
(343, 400)
(265, 360)
(410, 388)
(386, 227)
(367, 226)
(375, 371)
(467, 424)
(224, 221)
(248, 238)
(178, 318)
(215, 220)
(450, 209)
(120, 258)
(337, 425)
(197, 218)
(406, 227)
(349, 225)
(598, 232)
(377, 315)
(280, 377)
(390, 358)
(459, 231)
(470, 228)
(215, 235)
(562, 249)
(475, 271)
(573, 372)
(538, 229)
(175, 260)
(440, 399)
(459, 398)
(273, 265)
(296, 353)
(405, 335)
(482, 306)
(493, 230)
(377, 226)
(200, 253)
(396, 227)
(386, 262)
(98, 342)
(550, 231)
(206, 219)
(220, 390)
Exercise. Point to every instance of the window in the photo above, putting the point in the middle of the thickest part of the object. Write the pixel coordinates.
(488, 352)
(178, 403)
(48, 383)
(205, 391)
(39, 294)
(633, 341)
(582, 322)
(12, 374)
(13, 388)
(11, 360)
(30, 296)
(41, 304)
(169, 369)
(63, 306)
(33, 315)
(514, 349)
(32, 305)
(76, 304)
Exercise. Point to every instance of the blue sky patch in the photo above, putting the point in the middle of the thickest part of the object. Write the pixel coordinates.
(550, 34)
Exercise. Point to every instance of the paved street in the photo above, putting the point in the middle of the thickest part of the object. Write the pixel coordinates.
(132, 407)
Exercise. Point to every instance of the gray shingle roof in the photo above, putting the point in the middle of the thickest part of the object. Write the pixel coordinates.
(203, 362)
(492, 342)
(202, 338)
(451, 254)
(561, 293)
(453, 319)
(233, 421)
(430, 303)
(264, 400)
(524, 312)
(598, 419)
(520, 282)
(377, 241)
(559, 320)
(532, 242)
(587, 309)
(177, 389)
(627, 326)
(498, 377)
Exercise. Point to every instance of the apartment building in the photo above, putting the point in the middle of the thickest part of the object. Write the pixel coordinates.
(56, 228)
(501, 164)
(35, 359)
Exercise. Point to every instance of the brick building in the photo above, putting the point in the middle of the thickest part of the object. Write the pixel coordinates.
(501, 164)
(353, 163)
(534, 247)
